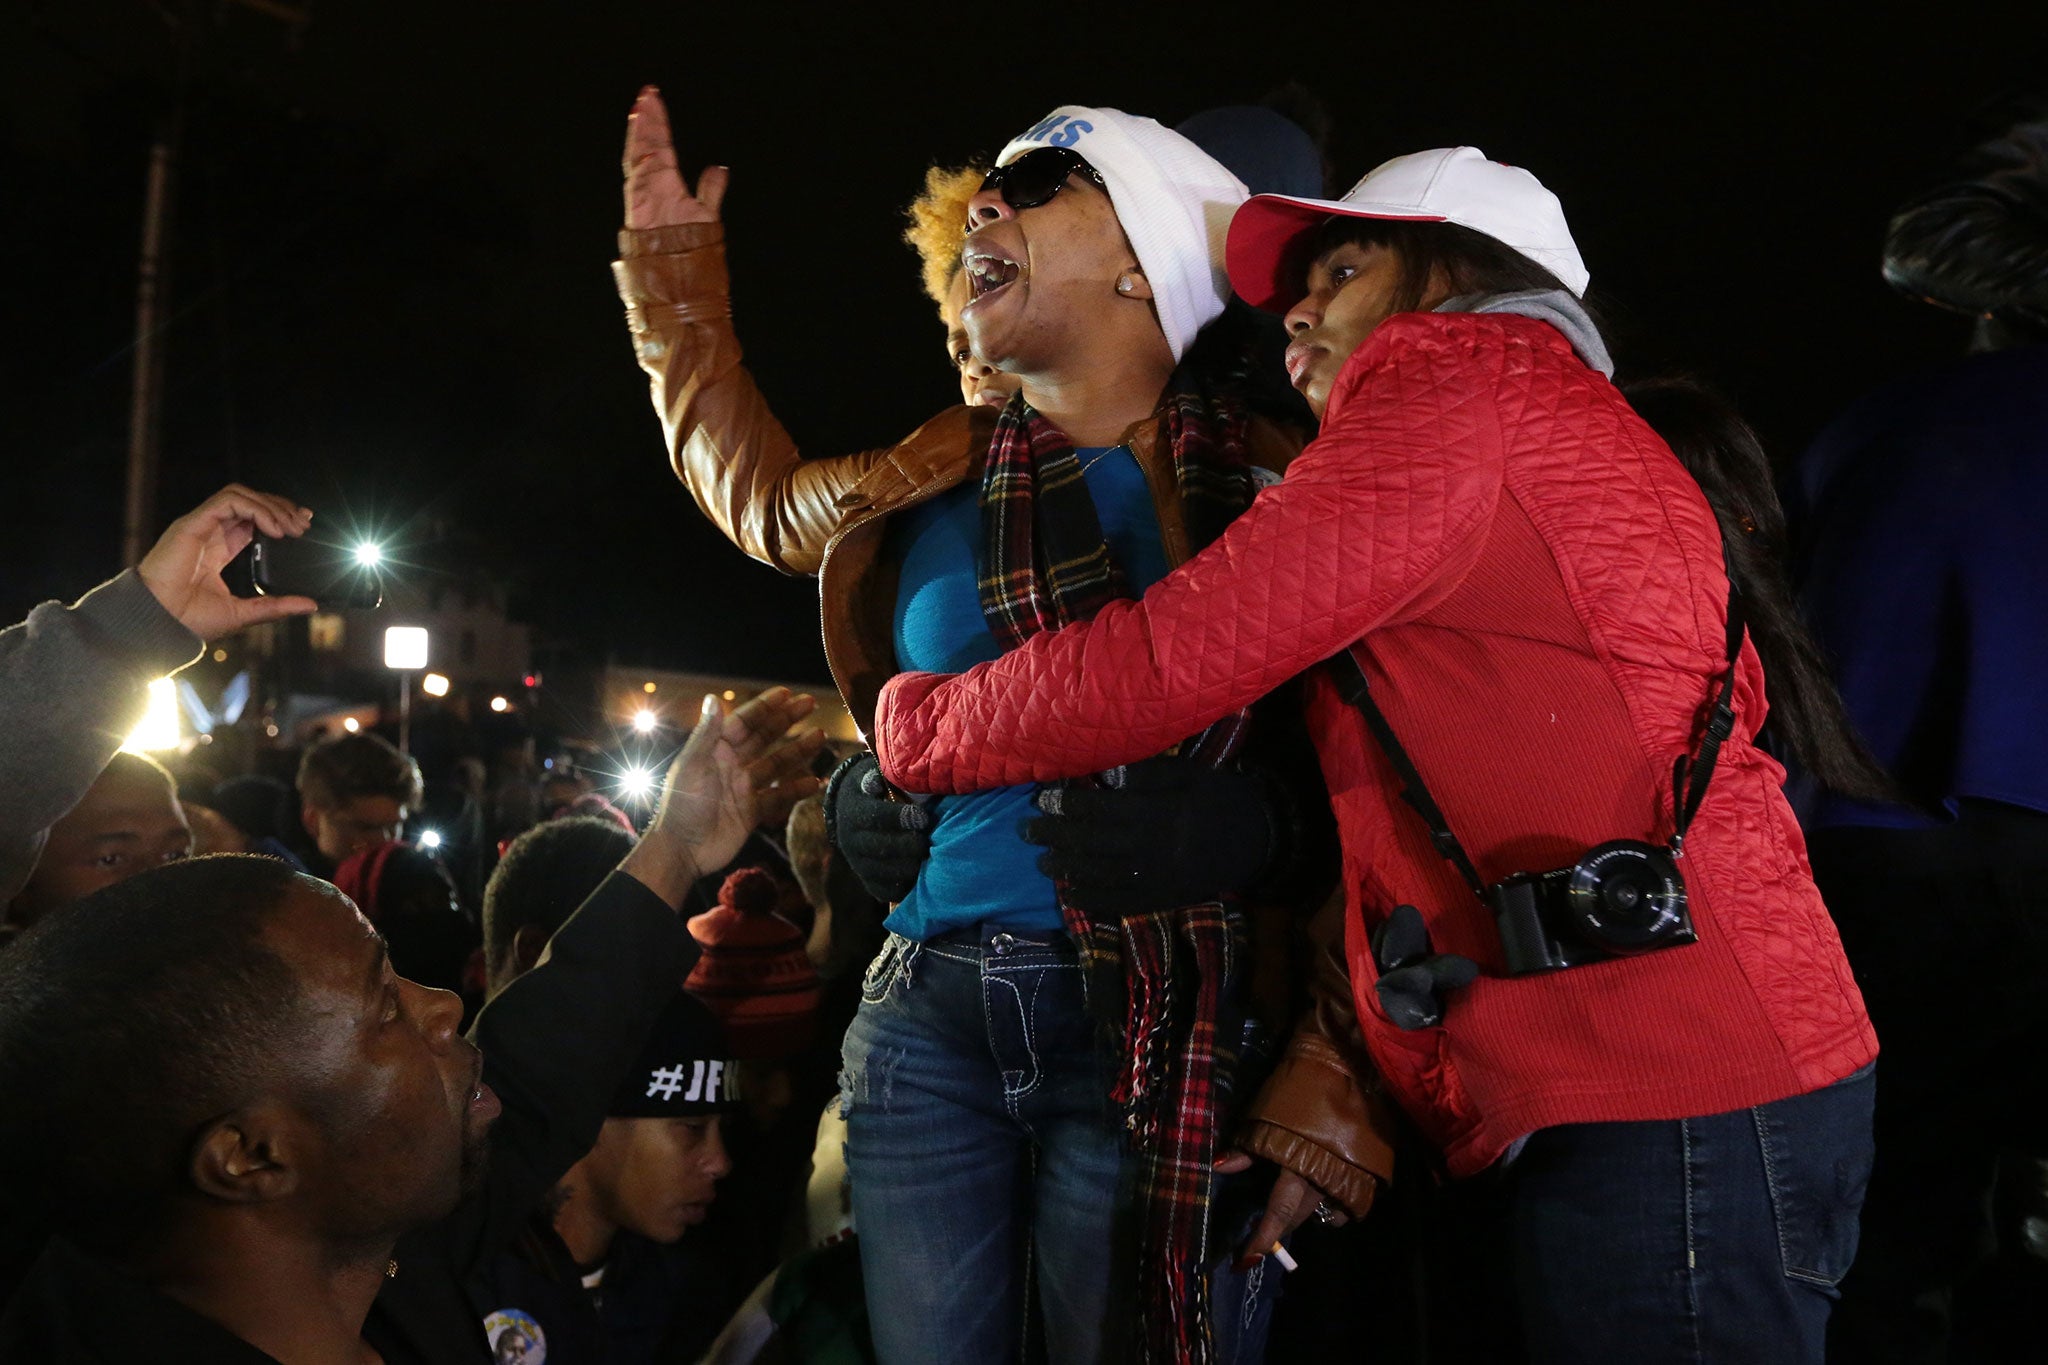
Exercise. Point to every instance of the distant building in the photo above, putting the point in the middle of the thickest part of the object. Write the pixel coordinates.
(670, 700)
(470, 639)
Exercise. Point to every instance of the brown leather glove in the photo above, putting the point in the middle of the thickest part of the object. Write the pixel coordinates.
(1321, 1114)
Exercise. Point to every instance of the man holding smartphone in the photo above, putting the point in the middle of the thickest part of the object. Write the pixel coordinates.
(74, 679)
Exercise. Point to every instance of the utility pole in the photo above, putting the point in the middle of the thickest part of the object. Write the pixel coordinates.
(145, 401)
(405, 712)
(153, 269)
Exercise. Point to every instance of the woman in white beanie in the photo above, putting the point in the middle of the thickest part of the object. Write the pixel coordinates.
(986, 1119)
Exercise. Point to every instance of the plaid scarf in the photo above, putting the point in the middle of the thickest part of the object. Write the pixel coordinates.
(1044, 564)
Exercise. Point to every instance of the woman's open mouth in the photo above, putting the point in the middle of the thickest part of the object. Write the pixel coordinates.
(989, 272)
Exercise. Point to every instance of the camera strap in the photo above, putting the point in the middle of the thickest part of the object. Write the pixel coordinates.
(1689, 777)
(1690, 774)
(1352, 686)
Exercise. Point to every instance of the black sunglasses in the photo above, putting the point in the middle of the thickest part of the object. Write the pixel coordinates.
(1035, 177)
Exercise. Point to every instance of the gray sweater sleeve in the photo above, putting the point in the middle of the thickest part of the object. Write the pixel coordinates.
(73, 682)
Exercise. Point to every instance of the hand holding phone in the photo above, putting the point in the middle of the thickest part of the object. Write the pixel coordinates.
(183, 569)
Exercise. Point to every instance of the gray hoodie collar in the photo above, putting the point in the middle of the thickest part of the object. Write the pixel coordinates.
(1553, 306)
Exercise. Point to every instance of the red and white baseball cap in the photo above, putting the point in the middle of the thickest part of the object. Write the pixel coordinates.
(1447, 185)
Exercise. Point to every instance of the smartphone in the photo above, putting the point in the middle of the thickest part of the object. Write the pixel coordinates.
(331, 574)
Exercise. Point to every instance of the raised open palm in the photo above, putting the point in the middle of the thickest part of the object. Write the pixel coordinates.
(656, 193)
(733, 763)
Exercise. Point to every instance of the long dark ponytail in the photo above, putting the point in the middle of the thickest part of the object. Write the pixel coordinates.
(1808, 722)
(1724, 456)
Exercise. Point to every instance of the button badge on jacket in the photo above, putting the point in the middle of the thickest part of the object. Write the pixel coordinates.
(516, 1339)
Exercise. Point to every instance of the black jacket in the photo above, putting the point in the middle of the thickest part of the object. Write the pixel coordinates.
(556, 1044)
(650, 1309)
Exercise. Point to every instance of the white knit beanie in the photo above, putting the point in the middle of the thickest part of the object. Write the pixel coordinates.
(1173, 199)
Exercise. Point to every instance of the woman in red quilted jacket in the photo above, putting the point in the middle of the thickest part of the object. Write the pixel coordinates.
(1535, 592)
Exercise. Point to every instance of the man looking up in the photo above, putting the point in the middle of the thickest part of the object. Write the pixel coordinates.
(269, 1147)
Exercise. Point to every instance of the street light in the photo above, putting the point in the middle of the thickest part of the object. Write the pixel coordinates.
(500, 704)
(636, 784)
(369, 554)
(158, 728)
(434, 685)
(405, 649)
(644, 721)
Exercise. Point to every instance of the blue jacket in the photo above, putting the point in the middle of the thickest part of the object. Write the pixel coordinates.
(1920, 547)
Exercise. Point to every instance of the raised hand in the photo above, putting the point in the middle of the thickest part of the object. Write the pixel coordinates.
(183, 568)
(711, 800)
(783, 776)
(656, 193)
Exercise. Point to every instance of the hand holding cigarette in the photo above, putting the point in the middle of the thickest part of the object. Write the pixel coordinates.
(1291, 1204)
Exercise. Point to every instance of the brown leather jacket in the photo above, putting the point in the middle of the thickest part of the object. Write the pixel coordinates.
(826, 517)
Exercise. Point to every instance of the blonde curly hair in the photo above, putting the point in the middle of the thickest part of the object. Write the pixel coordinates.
(938, 224)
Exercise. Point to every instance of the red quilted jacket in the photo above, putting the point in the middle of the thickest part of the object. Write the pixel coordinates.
(1539, 591)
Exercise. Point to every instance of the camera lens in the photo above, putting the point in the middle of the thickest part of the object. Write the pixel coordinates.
(1628, 897)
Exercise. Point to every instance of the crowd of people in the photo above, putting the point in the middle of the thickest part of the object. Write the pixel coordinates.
(1378, 841)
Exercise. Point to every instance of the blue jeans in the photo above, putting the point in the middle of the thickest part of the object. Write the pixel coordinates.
(979, 1134)
(1242, 1302)
(971, 1056)
(1709, 1239)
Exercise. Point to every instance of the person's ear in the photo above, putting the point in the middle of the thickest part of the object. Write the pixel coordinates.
(249, 1157)
(1132, 284)
(1441, 289)
(529, 941)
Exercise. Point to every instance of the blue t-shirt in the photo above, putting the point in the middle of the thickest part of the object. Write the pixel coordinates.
(981, 868)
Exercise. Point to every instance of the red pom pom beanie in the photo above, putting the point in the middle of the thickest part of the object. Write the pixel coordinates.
(753, 972)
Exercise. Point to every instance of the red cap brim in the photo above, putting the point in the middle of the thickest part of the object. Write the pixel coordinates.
(1262, 251)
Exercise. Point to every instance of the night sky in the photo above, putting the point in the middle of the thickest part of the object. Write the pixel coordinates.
(391, 294)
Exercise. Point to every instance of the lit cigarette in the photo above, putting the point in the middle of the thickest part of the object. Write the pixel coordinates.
(1279, 1253)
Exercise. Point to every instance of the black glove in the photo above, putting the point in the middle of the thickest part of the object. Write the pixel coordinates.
(885, 842)
(1413, 980)
(1176, 832)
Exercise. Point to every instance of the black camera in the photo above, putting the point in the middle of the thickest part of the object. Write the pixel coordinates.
(1621, 899)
